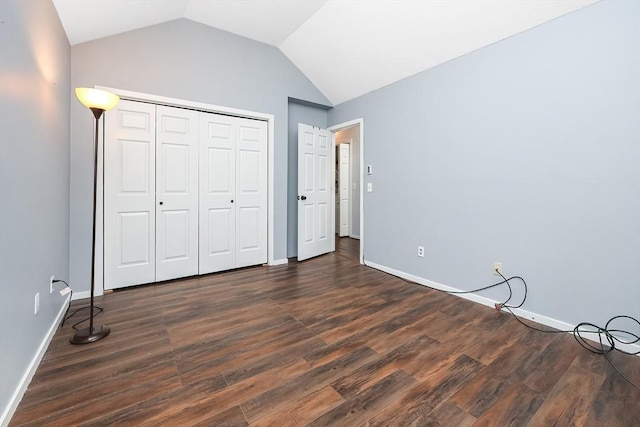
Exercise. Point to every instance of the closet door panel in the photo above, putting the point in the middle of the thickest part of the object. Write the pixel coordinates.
(217, 193)
(177, 135)
(220, 240)
(175, 227)
(249, 228)
(129, 195)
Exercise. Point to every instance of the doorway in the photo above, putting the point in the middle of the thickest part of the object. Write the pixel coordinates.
(352, 133)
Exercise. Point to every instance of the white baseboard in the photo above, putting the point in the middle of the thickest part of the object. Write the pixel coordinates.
(544, 320)
(82, 295)
(279, 262)
(354, 236)
(31, 369)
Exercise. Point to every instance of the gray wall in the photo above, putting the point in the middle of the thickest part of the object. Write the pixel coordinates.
(309, 115)
(525, 152)
(187, 60)
(353, 134)
(34, 180)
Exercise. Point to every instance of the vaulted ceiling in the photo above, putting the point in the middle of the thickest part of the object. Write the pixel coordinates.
(345, 47)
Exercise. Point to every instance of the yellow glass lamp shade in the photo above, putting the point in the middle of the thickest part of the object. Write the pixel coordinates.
(96, 98)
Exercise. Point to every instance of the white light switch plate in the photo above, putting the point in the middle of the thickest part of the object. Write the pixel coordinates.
(369, 187)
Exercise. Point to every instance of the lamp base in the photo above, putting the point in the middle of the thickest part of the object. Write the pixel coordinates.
(87, 336)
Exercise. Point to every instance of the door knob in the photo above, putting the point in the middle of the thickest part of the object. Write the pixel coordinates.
(303, 198)
(161, 203)
(232, 201)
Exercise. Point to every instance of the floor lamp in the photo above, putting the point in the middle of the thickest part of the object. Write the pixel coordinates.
(98, 101)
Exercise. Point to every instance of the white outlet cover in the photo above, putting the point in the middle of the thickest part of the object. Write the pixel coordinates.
(497, 266)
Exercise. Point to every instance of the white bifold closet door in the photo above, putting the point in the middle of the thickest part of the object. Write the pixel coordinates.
(176, 193)
(150, 194)
(129, 195)
(233, 192)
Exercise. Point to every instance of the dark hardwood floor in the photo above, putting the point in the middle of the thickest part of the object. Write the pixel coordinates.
(322, 342)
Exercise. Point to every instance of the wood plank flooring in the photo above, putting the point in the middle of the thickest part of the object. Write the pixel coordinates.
(325, 342)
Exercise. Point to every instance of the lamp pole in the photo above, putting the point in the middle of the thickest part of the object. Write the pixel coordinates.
(98, 101)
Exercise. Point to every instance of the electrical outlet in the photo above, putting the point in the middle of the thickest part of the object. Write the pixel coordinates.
(51, 279)
(421, 251)
(497, 266)
(36, 306)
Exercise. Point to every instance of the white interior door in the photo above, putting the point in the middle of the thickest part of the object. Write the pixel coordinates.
(344, 180)
(129, 195)
(176, 192)
(217, 193)
(316, 220)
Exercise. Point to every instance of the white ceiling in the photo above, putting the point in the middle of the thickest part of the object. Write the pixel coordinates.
(345, 47)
